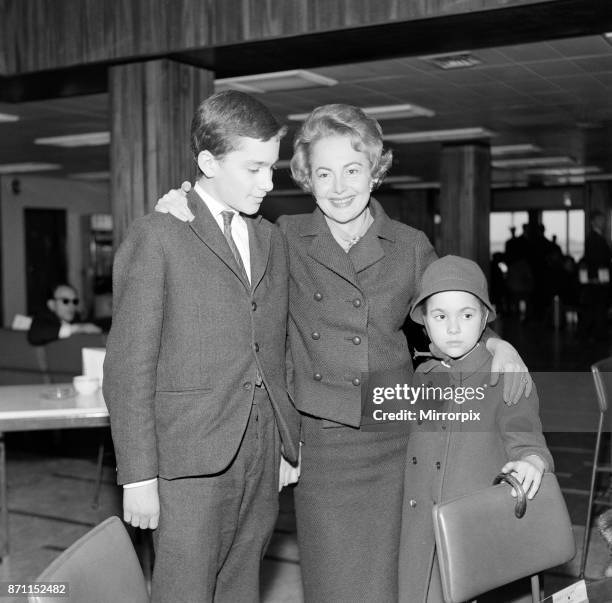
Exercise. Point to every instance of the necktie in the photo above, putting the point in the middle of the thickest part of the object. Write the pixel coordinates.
(227, 232)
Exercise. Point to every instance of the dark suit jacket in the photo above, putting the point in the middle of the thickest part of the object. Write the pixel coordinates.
(347, 310)
(187, 340)
(597, 253)
(45, 328)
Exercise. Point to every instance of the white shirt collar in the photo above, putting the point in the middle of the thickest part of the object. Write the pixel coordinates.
(239, 228)
(215, 206)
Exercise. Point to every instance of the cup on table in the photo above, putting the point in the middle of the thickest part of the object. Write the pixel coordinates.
(85, 384)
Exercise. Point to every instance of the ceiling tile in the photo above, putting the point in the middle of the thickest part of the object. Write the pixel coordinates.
(561, 67)
(582, 46)
(583, 84)
(508, 73)
(595, 64)
(530, 52)
(604, 78)
(533, 85)
(466, 77)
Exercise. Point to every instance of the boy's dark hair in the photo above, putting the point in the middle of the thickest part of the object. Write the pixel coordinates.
(228, 115)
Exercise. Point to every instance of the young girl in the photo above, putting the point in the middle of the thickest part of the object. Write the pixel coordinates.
(446, 458)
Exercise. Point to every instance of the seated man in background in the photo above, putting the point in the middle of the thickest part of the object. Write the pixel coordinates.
(60, 320)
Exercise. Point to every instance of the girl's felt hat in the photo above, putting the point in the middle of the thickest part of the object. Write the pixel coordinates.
(452, 273)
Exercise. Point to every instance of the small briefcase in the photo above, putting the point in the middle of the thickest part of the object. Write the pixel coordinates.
(487, 538)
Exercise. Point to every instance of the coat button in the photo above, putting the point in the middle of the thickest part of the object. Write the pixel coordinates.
(414, 461)
(444, 427)
(253, 306)
(357, 303)
(356, 381)
(356, 340)
(412, 503)
(318, 296)
(316, 336)
(317, 376)
(247, 385)
(256, 347)
(438, 465)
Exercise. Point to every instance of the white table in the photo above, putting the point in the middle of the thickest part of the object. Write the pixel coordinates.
(36, 407)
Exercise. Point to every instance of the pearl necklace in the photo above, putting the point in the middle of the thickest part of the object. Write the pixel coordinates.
(346, 241)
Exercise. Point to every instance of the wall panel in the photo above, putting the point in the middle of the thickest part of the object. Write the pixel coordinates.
(49, 34)
(152, 104)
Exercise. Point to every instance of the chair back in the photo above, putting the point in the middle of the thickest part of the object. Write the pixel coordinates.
(64, 356)
(20, 362)
(100, 567)
(602, 376)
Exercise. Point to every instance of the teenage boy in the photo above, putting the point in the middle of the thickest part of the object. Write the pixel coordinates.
(194, 376)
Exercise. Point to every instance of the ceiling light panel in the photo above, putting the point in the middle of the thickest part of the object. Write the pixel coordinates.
(597, 177)
(456, 60)
(514, 149)
(90, 139)
(527, 162)
(7, 117)
(274, 82)
(567, 171)
(403, 111)
(393, 179)
(19, 168)
(440, 135)
(92, 176)
(416, 186)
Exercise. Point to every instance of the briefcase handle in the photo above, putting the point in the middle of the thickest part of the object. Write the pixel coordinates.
(521, 497)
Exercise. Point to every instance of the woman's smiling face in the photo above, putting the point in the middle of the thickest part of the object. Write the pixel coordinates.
(340, 177)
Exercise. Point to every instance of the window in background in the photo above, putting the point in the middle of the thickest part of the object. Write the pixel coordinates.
(500, 223)
(568, 226)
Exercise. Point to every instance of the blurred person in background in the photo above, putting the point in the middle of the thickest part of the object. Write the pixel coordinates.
(60, 319)
(593, 324)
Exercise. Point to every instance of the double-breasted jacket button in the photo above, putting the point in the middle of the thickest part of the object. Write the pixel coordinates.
(414, 461)
(356, 381)
(256, 347)
(356, 340)
(444, 427)
(438, 465)
(316, 336)
(318, 296)
(317, 376)
(357, 302)
(253, 306)
(412, 503)
(247, 385)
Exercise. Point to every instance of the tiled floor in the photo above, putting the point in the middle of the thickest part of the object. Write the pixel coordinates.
(50, 505)
(50, 495)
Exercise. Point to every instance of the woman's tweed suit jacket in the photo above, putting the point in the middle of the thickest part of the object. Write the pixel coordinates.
(346, 311)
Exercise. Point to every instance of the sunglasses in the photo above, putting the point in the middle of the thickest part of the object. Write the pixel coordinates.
(68, 300)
